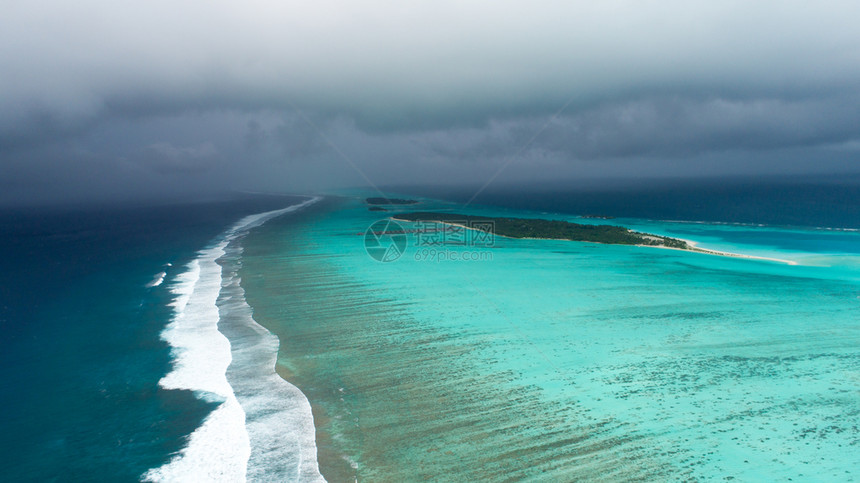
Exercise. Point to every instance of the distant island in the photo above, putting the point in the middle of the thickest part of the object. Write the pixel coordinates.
(599, 217)
(551, 229)
(536, 228)
(377, 208)
(389, 201)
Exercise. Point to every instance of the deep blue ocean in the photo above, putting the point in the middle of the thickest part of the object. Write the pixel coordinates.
(79, 336)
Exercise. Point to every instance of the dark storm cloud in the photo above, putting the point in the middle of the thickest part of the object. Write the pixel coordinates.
(259, 94)
(669, 127)
(166, 158)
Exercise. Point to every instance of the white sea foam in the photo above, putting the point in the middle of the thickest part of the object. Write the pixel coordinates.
(157, 280)
(278, 416)
(219, 450)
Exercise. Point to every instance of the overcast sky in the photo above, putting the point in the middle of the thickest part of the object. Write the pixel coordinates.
(106, 99)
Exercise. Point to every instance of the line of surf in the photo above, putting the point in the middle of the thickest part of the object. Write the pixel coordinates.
(157, 280)
(220, 448)
(278, 416)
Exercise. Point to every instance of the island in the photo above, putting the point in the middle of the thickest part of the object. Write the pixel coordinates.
(536, 228)
(377, 208)
(549, 229)
(389, 201)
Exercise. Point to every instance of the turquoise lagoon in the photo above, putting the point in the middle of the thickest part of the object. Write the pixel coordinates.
(559, 361)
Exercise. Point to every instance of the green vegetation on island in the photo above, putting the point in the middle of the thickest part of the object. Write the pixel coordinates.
(389, 201)
(550, 229)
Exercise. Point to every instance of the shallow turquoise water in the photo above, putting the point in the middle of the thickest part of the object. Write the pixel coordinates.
(559, 360)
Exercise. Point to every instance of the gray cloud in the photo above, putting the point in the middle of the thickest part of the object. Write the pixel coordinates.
(671, 127)
(166, 158)
(208, 92)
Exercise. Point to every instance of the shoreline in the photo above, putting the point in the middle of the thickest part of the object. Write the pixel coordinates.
(694, 248)
(707, 251)
(202, 357)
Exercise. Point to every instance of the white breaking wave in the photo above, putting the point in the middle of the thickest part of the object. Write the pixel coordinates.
(277, 414)
(157, 280)
(219, 450)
